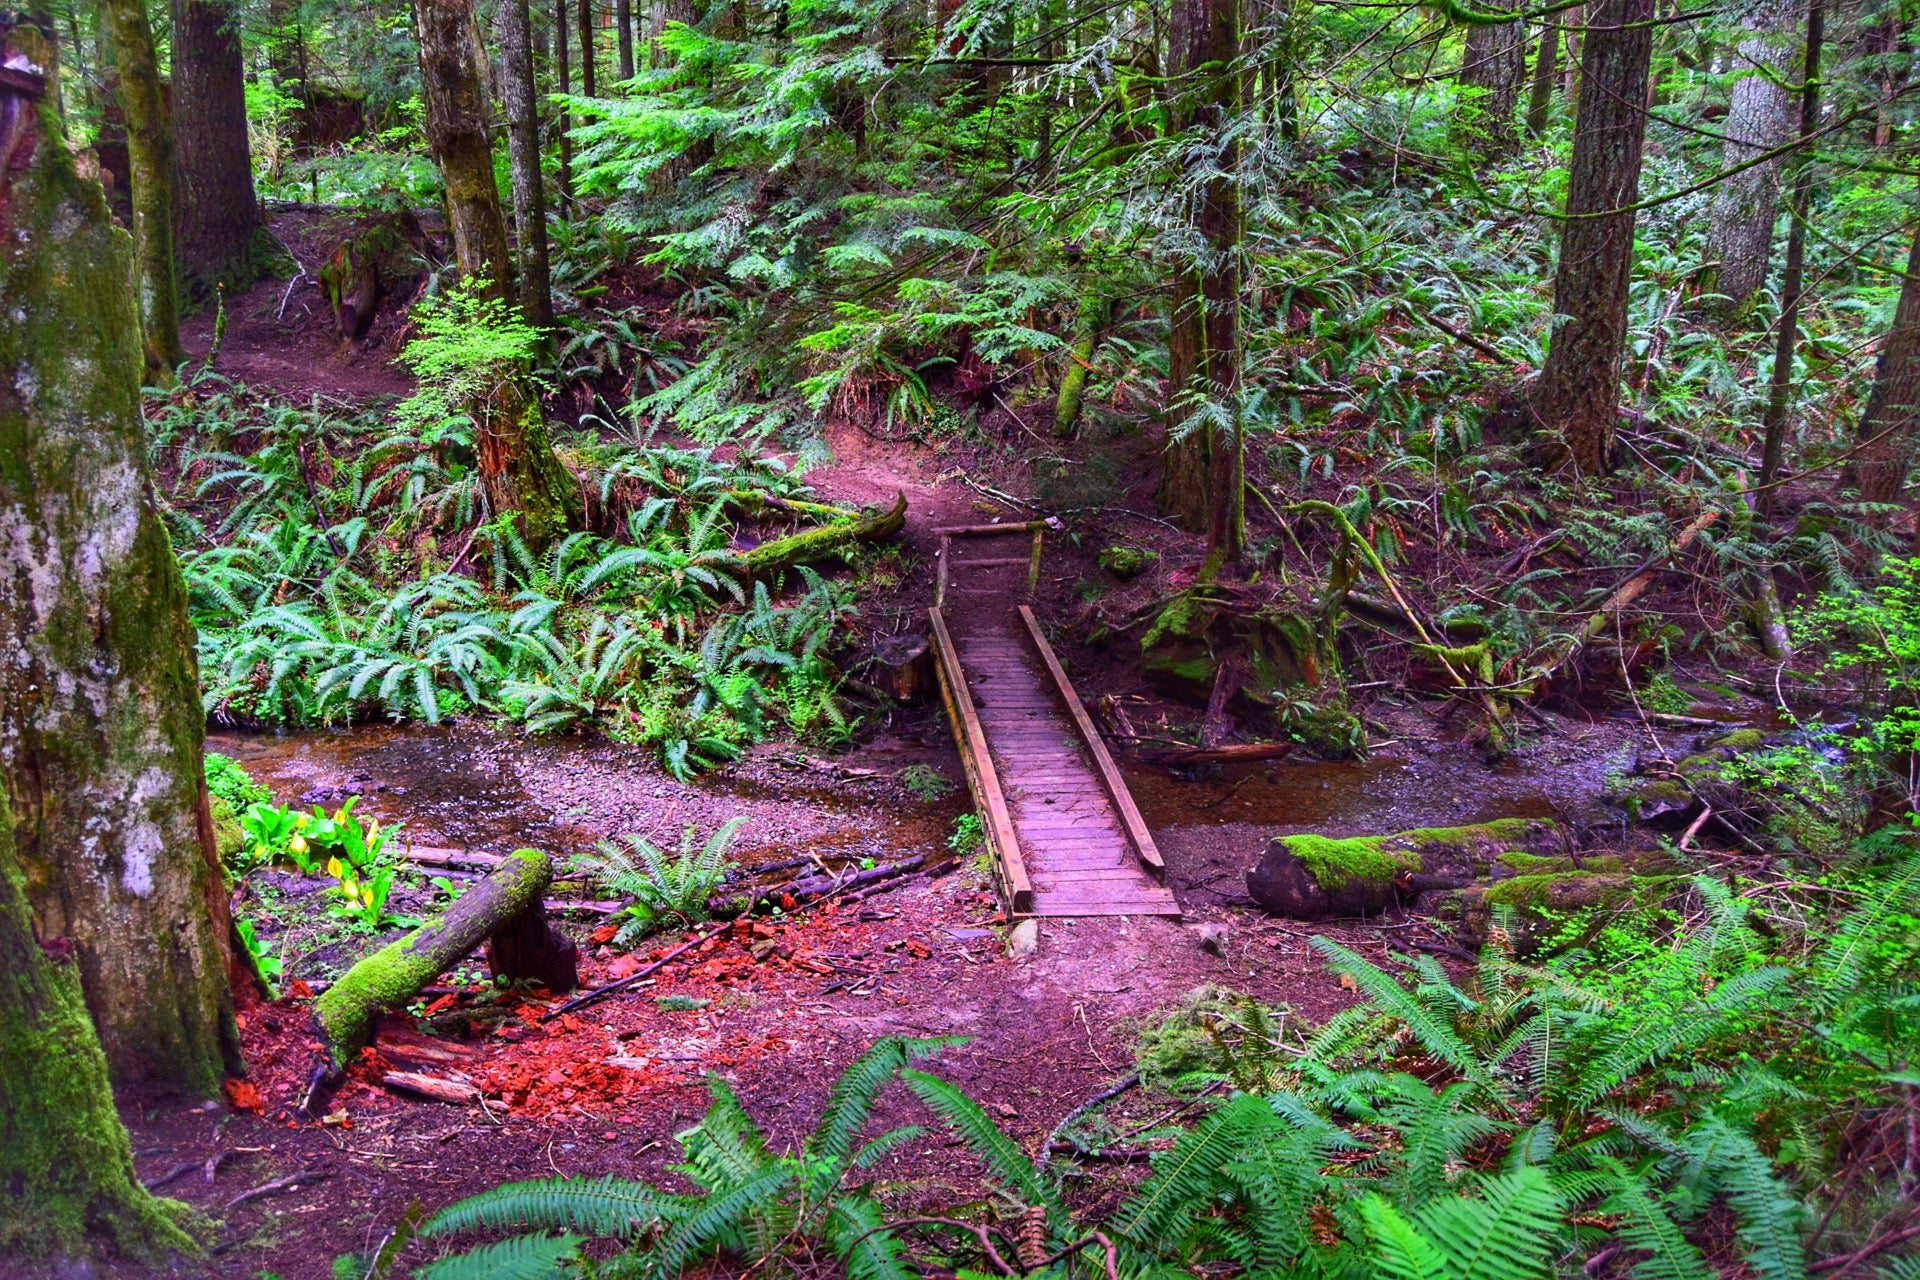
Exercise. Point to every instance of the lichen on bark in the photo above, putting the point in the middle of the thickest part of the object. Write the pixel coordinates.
(67, 1184)
(101, 728)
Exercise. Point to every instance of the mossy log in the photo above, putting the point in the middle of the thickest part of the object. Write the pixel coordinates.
(497, 905)
(828, 540)
(1558, 907)
(1309, 877)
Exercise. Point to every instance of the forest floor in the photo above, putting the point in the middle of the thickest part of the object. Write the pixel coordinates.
(604, 1090)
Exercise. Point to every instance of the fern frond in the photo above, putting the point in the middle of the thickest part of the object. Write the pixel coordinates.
(1508, 1232)
(606, 1206)
(1434, 1035)
(521, 1258)
(1005, 1161)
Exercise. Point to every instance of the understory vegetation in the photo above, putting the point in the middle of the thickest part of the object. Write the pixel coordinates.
(340, 569)
(1729, 1091)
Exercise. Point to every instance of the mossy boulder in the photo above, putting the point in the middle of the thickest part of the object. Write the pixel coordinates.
(1125, 562)
(1668, 796)
(1309, 877)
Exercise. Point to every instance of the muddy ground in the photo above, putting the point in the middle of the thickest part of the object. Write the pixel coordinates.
(603, 1090)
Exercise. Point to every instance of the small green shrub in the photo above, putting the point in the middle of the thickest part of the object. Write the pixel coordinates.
(925, 782)
(968, 836)
(228, 781)
(663, 888)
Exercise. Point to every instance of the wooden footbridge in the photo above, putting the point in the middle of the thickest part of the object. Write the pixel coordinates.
(1066, 837)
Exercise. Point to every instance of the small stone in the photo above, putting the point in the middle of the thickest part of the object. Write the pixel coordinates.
(1024, 940)
(1213, 937)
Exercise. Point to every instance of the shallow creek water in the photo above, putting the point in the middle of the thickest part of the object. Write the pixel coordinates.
(466, 787)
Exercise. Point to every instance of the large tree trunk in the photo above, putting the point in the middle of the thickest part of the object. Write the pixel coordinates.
(517, 466)
(1546, 66)
(563, 84)
(457, 134)
(523, 147)
(66, 1168)
(100, 720)
(1773, 431)
(1893, 407)
(1491, 69)
(587, 86)
(1759, 119)
(218, 235)
(1578, 394)
(150, 163)
(1202, 478)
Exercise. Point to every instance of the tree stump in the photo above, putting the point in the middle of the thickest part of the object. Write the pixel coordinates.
(905, 667)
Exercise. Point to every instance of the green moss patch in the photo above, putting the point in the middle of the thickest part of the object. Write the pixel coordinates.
(1335, 863)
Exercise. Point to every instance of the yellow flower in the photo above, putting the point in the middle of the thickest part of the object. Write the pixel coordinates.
(335, 869)
(298, 844)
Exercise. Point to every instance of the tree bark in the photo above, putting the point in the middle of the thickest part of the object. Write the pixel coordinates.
(517, 468)
(586, 49)
(1759, 119)
(100, 722)
(457, 134)
(1202, 477)
(1578, 395)
(1773, 431)
(66, 1167)
(623, 30)
(150, 163)
(1491, 69)
(1546, 68)
(218, 235)
(523, 147)
(563, 84)
(1893, 406)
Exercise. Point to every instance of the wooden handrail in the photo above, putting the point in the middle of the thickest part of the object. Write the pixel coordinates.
(982, 778)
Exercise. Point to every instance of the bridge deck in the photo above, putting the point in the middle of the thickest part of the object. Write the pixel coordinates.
(1066, 836)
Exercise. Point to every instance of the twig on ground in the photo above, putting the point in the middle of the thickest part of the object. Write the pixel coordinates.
(1118, 1087)
(279, 1186)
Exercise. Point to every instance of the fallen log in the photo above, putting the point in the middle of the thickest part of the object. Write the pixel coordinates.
(826, 540)
(344, 1015)
(432, 1088)
(808, 888)
(460, 859)
(1228, 754)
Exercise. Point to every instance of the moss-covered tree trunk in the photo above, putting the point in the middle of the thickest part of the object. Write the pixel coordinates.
(1578, 394)
(150, 165)
(100, 720)
(517, 466)
(219, 238)
(66, 1168)
(1202, 478)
